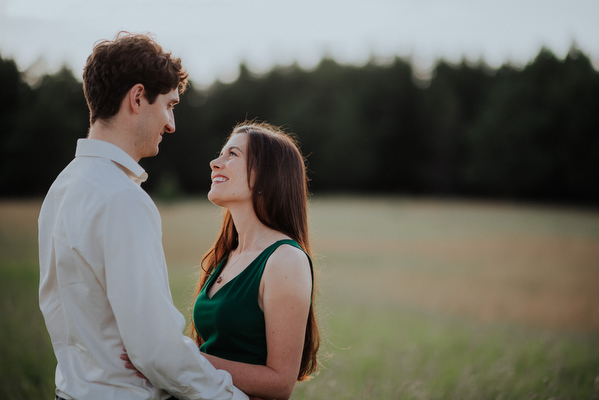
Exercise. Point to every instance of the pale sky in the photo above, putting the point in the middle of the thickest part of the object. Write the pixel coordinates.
(213, 36)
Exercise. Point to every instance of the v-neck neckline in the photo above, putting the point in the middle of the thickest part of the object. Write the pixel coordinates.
(223, 263)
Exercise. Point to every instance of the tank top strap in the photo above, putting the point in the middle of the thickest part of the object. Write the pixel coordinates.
(270, 249)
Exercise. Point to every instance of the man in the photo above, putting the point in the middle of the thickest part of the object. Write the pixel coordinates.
(103, 277)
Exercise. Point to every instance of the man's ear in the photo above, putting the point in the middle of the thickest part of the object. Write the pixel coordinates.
(135, 96)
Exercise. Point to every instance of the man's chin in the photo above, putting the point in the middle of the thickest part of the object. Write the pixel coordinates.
(151, 153)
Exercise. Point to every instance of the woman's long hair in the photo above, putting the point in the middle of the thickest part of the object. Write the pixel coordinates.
(280, 197)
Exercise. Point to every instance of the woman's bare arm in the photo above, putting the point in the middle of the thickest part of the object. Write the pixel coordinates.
(285, 299)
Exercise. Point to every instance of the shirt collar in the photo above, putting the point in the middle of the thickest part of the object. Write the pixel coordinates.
(100, 148)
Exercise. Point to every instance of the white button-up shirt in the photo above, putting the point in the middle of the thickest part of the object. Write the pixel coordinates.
(104, 285)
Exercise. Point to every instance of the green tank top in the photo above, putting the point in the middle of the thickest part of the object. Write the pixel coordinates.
(231, 323)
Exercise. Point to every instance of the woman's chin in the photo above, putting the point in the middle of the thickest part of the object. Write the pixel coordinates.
(213, 198)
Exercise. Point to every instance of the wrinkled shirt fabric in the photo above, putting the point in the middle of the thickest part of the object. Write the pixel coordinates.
(104, 286)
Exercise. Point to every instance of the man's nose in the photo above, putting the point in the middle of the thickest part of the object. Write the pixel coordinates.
(170, 126)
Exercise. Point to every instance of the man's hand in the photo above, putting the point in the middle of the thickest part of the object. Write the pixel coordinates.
(129, 364)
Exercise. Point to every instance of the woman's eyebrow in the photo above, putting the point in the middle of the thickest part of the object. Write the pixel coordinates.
(234, 147)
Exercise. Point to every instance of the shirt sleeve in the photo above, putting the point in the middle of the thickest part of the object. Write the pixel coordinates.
(148, 322)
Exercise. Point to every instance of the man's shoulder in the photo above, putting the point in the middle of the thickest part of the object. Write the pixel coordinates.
(104, 175)
(96, 182)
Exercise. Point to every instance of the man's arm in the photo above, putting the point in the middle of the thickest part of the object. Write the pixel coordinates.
(149, 323)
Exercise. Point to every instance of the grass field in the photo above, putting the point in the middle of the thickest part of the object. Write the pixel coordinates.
(418, 299)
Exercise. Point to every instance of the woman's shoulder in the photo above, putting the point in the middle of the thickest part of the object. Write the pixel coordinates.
(289, 248)
(288, 256)
(289, 270)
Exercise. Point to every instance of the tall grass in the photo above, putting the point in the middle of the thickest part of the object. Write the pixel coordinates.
(417, 299)
(26, 358)
(389, 353)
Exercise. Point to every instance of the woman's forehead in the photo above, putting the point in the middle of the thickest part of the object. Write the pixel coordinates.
(238, 140)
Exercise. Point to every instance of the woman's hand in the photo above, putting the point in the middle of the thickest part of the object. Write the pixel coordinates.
(129, 364)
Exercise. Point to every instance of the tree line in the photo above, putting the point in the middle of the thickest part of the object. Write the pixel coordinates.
(514, 132)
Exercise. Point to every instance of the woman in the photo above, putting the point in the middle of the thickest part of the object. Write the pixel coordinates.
(254, 311)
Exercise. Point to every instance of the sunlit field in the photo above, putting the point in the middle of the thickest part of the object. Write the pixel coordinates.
(418, 299)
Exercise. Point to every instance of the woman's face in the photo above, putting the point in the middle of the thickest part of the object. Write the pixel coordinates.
(229, 173)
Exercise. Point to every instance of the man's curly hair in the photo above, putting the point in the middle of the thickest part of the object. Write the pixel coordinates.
(115, 66)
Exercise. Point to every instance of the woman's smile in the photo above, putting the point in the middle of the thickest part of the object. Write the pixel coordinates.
(229, 173)
(219, 179)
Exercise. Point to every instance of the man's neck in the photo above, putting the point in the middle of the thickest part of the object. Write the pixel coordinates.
(115, 134)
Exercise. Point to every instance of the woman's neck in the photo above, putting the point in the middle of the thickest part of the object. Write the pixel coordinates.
(250, 230)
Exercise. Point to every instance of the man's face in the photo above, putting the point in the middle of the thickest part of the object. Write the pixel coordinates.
(156, 119)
